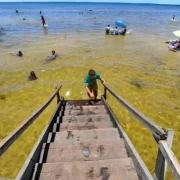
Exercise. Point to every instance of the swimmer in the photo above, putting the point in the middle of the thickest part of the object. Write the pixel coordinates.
(53, 56)
(19, 53)
(32, 76)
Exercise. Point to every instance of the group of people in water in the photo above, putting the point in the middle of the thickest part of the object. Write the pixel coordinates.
(115, 31)
(173, 44)
(32, 75)
(52, 57)
(42, 18)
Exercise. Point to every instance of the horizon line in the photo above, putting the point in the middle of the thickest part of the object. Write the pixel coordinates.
(46, 1)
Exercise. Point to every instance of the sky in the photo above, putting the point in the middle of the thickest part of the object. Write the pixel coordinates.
(129, 1)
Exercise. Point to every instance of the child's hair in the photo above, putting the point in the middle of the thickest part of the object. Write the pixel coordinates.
(91, 72)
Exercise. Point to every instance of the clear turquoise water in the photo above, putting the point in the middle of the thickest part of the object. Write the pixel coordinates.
(64, 17)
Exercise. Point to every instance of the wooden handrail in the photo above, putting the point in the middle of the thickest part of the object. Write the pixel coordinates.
(156, 130)
(141, 169)
(29, 165)
(7, 141)
(160, 135)
(170, 158)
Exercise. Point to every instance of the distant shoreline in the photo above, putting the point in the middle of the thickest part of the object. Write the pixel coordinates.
(90, 2)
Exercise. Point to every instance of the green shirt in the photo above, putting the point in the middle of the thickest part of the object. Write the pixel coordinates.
(90, 82)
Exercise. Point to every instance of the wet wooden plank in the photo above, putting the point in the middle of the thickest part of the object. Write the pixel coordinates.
(86, 118)
(84, 112)
(95, 134)
(85, 126)
(87, 151)
(119, 169)
(72, 107)
(81, 102)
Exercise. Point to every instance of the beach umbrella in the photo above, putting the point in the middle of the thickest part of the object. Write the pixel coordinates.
(177, 33)
(121, 24)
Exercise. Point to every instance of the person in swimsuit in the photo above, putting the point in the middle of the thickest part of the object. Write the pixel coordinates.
(43, 20)
(19, 53)
(32, 76)
(107, 29)
(123, 32)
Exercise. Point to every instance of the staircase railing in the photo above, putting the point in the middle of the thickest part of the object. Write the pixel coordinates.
(163, 137)
(9, 140)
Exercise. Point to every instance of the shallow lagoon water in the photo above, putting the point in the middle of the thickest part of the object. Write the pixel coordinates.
(139, 67)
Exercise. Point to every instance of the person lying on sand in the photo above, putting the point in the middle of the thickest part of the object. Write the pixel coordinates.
(170, 41)
(174, 45)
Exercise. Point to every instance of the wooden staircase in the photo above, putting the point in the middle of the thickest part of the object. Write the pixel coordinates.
(84, 145)
(82, 142)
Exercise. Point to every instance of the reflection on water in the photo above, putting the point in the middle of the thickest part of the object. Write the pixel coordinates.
(138, 67)
(45, 30)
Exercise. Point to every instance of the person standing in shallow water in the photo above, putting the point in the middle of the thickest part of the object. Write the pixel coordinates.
(107, 30)
(91, 83)
(43, 20)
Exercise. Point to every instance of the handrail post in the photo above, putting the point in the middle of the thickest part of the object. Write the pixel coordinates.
(58, 97)
(105, 93)
(161, 164)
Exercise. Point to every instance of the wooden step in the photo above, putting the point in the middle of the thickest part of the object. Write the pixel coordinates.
(86, 118)
(81, 102)
(86, 151)
(113, 169)
(85, 112)
(95, 134)
(85, 126)
(73, 107)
